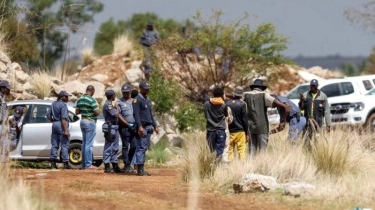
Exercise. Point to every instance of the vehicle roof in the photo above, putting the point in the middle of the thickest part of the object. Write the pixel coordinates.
(70, 104)
(329, 81)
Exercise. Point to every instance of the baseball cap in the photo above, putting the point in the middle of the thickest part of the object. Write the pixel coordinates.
(63, 93)
(5, 83)
(144, 85)
(110, 93)
(314, 82)
(125, 88)
(18, 111)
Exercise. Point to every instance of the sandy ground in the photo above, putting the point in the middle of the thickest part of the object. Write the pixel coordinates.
(87, 189)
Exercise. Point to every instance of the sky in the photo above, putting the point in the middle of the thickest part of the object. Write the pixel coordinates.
(314, 27)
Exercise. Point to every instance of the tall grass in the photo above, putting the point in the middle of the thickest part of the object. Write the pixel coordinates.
(341, 165)
(3, 44)
(157, 153)
(41, 84)
(88, 56)
(123, 45)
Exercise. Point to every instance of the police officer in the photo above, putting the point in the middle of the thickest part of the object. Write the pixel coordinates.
(296, 121)
(58, 115)
(4, 91)
(144, 119)
(127, 130)
(111, 145)
(150, 37)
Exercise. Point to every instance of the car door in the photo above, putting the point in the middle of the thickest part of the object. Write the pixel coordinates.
(36, 133)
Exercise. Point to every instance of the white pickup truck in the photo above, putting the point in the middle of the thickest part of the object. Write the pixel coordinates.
(346, 97)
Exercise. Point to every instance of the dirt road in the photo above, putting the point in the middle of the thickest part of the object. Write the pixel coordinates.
(83, 189)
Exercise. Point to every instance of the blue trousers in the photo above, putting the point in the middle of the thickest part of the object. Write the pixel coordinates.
(143, 144)
(295, 128)
(128, 139)
(88, 129)
(110, 150)
(58, 138)
(216, 141)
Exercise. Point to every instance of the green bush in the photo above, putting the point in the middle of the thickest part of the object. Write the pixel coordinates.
(189, 118)
(157, 152)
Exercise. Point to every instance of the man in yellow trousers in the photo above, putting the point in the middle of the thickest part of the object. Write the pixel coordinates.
(239, 128)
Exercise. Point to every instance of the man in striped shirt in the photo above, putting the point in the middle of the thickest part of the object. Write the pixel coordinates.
(88, 107)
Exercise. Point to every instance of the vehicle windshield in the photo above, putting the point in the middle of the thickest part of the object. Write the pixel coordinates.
(294, 94)
(371, 92)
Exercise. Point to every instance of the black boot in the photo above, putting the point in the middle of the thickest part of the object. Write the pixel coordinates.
(53, 165)
(66, 165)
(107, 168)
(128, 168)
(141, 171)
(117, 169)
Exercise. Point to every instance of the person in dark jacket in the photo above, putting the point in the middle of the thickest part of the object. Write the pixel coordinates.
(239, 128)
(215, 111)
(314, 104)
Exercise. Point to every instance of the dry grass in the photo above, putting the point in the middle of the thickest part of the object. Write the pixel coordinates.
(3, 44)
(340, 165)
(41, 84)
(88, 56)
(18, 195)
(123, 45)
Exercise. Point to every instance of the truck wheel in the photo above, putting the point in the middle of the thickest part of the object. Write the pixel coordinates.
(75, 155)
(370, 123)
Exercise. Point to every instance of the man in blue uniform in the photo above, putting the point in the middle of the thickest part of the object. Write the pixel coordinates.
(150, 37)
(296, 121)
(144, 119)
(128, 129)
(111, 145)
(58, 115)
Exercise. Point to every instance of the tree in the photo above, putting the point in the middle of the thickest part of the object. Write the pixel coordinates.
(109, 30)
(234, 53)
(364, 16)
(51, 22)
(370, 68)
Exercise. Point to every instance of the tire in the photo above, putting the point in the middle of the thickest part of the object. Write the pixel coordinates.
(370, 123)
(75, 155)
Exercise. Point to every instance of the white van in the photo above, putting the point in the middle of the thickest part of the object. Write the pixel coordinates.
(345, 90)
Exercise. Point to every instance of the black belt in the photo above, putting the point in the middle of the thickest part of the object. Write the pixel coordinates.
(144, 124)
(113, 123)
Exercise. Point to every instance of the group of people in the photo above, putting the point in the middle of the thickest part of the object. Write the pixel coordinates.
(129, 117)
(248, 125)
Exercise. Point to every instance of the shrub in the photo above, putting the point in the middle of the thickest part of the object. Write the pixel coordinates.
(157, 152)
(88, 56)
(41, 84)
(122, 45)
(189, 118)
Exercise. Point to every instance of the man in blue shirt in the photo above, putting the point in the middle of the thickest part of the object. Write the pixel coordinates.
(144, 119)
(296, 120)
(58, 115)
(128, 129)
(150, 37)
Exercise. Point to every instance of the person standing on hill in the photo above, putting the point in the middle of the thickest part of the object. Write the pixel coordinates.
(314, 104)
(150, 37)
(215, 111)
(59, 116)
(257, 102)
(239, 128)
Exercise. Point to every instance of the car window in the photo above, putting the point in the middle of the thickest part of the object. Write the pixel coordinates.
(73, 117)
(367, 84)
(372, 92)
(347, 88)
(331, 90)
(38, 114)
(295, 93)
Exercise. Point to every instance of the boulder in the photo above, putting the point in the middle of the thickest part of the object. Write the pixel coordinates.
(3, 67)
(56, 89)
(3, 76)
(99, 78)
(27, 86)
(175, 140)
(74, 87)
(21, 76)
(256, 183)
(134, 75)
(155, 138)
(298, 189)
(99, 89)
(15, 66)
(4, 58)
